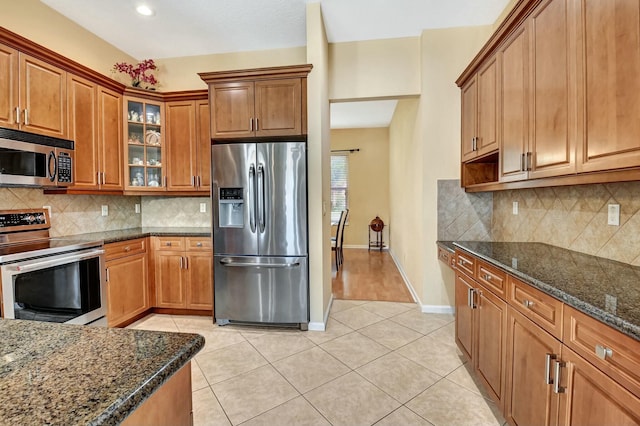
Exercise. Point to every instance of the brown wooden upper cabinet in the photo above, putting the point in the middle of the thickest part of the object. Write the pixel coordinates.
(95, 124)
(609, 76)
(258, 103)
(188, 145)
(480, 112)
(33, 96)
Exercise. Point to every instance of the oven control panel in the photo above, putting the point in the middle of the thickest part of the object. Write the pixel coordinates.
(23, 219)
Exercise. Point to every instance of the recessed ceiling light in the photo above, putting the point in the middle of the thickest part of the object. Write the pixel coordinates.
(145, 10)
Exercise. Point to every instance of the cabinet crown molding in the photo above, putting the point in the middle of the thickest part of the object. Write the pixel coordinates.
(254, 74)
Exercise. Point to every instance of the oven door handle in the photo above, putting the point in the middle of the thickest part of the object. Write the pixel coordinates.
(54, 261)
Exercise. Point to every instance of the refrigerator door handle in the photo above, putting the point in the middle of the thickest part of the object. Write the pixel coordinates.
(229, 262)
(261, 212)
(252, 204)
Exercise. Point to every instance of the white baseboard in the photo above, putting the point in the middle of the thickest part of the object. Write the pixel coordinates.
(322, 326)
(414, 295)
(437, 309)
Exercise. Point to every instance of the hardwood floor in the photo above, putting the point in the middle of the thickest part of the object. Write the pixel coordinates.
(369, 275)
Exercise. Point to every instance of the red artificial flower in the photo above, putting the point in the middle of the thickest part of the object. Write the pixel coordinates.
(138, 72)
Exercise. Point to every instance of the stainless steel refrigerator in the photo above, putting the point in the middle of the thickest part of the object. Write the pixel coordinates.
(260, 241)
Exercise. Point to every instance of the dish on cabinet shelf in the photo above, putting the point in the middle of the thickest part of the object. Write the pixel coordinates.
(152, 137)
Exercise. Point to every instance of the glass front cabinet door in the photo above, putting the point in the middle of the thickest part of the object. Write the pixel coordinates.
(144, 137)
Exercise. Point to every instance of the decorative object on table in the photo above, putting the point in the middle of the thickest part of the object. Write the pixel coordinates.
(139, 73)
(376, 225)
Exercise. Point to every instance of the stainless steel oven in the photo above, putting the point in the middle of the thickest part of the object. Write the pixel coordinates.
(49, 279)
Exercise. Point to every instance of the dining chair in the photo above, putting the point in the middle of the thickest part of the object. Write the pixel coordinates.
(334, 240)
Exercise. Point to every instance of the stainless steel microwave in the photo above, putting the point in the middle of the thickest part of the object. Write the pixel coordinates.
(27, 159)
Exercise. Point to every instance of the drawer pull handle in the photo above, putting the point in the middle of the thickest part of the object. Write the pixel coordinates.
(199, 244)
(127, 248)
(528, 303)
(603, 352)
(461, 262)
(168, 244)
(486, 277)
(547, 368)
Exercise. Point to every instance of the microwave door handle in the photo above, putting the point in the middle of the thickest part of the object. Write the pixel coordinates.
(54, 261)
(250, 196)
(52, 174)
(261, 212)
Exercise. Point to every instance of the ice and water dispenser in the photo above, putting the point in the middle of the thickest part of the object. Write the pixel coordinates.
(231, 208)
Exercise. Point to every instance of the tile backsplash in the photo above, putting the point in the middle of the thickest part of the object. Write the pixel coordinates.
(573, 217)
(75, 214)
(463, 216)
(175, 211)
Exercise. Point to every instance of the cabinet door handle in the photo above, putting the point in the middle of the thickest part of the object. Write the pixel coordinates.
(603, 352)
(556, 386)
(181, 262)
(186, 262)
(251, 124)
(547, 368)
(199, 181)
(529, 155)
(104, 178)
(107, 275)
(257, 125)
(523, 166)
(99, 178)
(17, 115)
(193, 181)
(471, 298)
(26, 117)
(165, 181)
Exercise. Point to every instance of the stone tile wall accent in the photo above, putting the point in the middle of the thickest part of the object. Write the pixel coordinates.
(463, 216)
(573, 217)
(175, 211)
(75, 214)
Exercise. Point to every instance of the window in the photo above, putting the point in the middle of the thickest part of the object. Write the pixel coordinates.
(339, 185)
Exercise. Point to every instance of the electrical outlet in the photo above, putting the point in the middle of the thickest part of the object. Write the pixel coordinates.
(515, 207)
(137, 208)
(614, 215)
(105, 210)
(49, 209)
(203, 207)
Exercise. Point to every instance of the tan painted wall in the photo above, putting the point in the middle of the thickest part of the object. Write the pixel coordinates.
(318, 165)
(405, 165)
(377, 68)
(43, 25)
(182, 73)
(368, 180)
(445, 54)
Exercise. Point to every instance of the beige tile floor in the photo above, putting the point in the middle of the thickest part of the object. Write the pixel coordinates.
(380, 363)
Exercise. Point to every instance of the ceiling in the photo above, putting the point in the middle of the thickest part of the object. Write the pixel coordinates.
(202, 27)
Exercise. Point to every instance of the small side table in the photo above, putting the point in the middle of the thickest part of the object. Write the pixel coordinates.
(375, 239)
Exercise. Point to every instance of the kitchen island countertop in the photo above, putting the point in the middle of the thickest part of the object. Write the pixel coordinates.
(70, 374)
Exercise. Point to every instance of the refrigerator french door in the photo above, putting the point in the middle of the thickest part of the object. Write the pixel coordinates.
(260, 240)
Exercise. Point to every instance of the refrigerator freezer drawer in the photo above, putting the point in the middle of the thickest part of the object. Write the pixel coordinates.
(261, 289)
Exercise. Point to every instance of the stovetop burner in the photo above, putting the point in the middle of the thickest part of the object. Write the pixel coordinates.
(24, 234)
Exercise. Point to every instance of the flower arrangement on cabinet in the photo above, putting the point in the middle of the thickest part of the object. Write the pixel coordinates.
(140, 73)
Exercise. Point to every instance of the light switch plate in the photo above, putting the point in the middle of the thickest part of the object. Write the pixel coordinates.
(105, 210)
(203, 207)
(614, 215)
(49, 209)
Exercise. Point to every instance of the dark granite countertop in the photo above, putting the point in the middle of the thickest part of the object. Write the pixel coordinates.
(601, 288)
(447, 245)
(60, 374)
(133, 233)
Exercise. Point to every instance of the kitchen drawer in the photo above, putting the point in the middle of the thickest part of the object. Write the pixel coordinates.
(542, 309)
(492, 278)
(125, 248)
(614, 353)
(465, 263)
(169, 243)
(198, 243)
(446, 257)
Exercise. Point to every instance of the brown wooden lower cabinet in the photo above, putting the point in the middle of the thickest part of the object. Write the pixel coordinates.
(590, 397)
(541, 361)
(480, 332)
(529, 396)
(127, 284)
(183, 273)
(170, 405)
